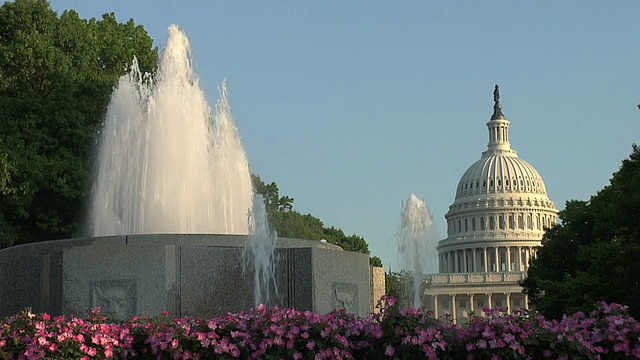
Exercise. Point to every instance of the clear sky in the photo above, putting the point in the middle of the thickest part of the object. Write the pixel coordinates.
(350, 106)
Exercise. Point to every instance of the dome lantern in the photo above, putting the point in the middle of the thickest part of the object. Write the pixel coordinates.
(498, 130)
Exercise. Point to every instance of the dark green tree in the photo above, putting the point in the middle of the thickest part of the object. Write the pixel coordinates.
(376, 261)
(592, 255)
(56, 76)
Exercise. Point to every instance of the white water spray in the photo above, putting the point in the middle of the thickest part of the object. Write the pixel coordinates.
(165, 164)
(417, 245)
(260, 250)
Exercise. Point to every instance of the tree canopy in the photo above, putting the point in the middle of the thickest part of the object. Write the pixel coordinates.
(592, 255)
(292, 224)
(56, 77)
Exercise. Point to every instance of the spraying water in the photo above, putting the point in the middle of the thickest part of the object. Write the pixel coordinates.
(259, 249)
(417, 245)
(165, 164)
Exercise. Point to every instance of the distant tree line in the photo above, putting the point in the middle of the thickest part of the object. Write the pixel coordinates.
(593, 254)
(290, 223)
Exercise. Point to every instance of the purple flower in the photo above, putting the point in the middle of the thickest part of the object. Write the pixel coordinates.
(389, 350)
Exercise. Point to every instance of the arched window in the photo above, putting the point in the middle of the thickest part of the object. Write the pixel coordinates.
(520, 222)
(466, 225)
(473, 224)
(511, 222)
(492, 223)
(501, 222)
(482, 226)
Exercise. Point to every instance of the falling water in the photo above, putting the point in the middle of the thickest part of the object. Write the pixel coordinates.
(165, 164)
(260, 250)
(416, 245)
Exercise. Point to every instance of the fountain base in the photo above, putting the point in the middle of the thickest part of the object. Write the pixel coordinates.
(187, 275)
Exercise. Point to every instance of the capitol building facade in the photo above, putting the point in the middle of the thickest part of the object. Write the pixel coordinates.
(494, 227)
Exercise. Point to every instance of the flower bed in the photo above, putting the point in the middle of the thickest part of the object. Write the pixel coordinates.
(605, 333)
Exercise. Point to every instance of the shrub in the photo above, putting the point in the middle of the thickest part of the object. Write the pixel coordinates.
(608, 332)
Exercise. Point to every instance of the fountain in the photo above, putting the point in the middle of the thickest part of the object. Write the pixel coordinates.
(169, 220)
(416, 247)
(165, 165)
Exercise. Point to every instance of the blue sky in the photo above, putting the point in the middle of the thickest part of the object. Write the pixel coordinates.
(350, 106)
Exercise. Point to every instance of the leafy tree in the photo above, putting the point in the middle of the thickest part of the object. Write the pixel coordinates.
(393, 284)
(592, 255)
(376, 261)
(56, 76)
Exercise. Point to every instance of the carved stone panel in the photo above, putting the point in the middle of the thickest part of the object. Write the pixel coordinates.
(116, 298)
(345, 296)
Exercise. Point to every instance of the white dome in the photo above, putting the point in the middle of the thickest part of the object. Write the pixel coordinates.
(501, 203)
(499, 174)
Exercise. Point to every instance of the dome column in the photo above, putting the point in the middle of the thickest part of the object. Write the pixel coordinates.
(475, 269)
(452, 262)
(455, 261)
(519, 267)
(486, 262)
(465, 268)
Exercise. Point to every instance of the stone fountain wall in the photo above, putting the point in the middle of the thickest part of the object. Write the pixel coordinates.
(187, 275)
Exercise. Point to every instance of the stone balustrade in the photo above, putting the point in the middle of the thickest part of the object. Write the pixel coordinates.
(475, 278)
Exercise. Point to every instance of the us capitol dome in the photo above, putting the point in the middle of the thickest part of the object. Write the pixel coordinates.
(494, 227)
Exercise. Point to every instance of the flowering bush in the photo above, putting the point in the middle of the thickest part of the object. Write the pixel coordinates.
(606, 333)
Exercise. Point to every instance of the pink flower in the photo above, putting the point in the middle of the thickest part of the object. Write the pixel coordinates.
(42, 341)
(235, 352)
(389, 350)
